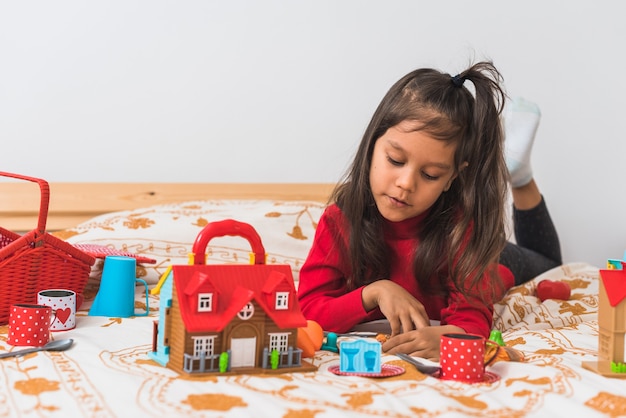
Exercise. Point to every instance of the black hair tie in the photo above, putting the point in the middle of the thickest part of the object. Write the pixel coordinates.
(458, 80)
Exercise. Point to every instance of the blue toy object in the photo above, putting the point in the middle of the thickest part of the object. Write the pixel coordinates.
(116, 296)
(613, 264)
(360, 356)
(331, 343)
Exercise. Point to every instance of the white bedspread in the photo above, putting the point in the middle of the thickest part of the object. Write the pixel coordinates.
(107, 373)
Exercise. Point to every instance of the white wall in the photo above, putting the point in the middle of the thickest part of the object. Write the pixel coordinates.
(271, 91)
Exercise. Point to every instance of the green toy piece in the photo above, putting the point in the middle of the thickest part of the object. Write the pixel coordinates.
(618, 367)
(496, 336)
(223, 362)
(274, 359)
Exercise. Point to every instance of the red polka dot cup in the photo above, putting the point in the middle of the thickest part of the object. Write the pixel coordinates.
(64, 303)
(462, 357)
(29, 325)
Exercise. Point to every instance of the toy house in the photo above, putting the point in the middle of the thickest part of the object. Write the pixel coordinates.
(231, 318)
(611, 323)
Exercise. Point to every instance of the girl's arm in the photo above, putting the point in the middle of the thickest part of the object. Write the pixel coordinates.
(472, 313)
(322, 291)
(459, 316)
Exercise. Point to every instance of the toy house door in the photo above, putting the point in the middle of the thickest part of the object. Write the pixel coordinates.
(243, 352)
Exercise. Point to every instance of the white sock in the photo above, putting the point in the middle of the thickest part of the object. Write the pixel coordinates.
(520, 121)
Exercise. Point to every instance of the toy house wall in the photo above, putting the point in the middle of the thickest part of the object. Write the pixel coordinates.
(276, 90)
(177, 335)
(611, 328)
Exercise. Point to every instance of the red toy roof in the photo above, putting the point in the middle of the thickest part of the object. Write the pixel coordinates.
(234, 285)
(615, 285)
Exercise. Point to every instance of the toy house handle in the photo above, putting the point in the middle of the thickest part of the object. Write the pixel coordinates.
(232, 228)
(45, 198)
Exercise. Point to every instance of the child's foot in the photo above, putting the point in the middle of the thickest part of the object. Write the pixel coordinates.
(520, 121)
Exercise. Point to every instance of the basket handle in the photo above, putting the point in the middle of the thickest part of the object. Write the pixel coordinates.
(232, 228)
(45, 198)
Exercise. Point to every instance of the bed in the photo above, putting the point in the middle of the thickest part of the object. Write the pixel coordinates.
(108, 372)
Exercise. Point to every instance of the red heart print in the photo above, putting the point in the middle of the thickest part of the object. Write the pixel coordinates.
(63, 314)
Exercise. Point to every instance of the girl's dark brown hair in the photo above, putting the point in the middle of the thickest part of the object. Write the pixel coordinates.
(464, 233)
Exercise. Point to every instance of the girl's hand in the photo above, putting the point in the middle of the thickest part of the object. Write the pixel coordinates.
(422, 342)
(402, 310)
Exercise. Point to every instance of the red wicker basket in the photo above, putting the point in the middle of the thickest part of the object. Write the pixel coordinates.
(37, 260)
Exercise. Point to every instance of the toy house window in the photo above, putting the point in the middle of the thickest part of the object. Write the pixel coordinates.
(282, 301)
(247, 312)
(203, 346)
(205, 302)
(279, 341)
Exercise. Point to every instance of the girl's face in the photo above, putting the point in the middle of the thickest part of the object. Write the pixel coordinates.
(409, 171)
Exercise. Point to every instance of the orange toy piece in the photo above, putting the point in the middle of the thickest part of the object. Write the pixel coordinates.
(310, 338)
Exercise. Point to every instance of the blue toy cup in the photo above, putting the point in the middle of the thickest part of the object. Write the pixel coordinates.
(116, 297)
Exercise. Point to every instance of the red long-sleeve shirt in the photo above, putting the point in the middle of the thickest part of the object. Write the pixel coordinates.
(324, 298)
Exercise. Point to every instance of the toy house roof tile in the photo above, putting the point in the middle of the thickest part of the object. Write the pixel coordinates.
(275, 280)
(233, 286)
(200, 280)
(615, 284)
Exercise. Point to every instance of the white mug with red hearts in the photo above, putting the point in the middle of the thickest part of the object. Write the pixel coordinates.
(64, 303)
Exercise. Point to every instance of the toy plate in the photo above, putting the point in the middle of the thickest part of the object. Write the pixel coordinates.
(386, 370)
(488, 377)
(101, 251)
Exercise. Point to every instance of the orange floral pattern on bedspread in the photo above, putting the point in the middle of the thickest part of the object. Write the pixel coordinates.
(108, 373)
(167, 232)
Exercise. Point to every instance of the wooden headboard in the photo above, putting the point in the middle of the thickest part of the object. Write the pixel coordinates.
(73, 203)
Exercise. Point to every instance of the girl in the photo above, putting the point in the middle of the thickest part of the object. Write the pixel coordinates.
(416, 231)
